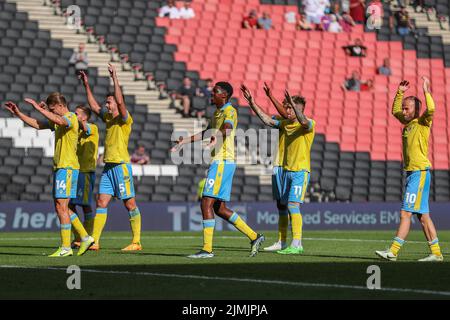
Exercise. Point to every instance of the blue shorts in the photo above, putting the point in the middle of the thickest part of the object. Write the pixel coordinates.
(65, 182)
(278, 186)
(117, 180)
(417, 191)
(219, 180)
(295, 184)
(85, 189)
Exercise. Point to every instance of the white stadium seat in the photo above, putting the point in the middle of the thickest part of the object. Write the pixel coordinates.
(137, 170)
(152, 170)
(169, 170)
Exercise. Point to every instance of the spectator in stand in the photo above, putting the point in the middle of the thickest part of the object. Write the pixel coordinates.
(315, 10)
(290, 17)
(385, 69)
(358, 10)
(344, 19)
(366, 85)
(169, 11)
(206, 91)
(265, 22)
(356, 50)
(186, 12)
(302, 23)
(404, 24)
(79, 60)
(353, 83)
(251, 21)
(140, 156)
(186, 94)
(325, 22)
(334, 25)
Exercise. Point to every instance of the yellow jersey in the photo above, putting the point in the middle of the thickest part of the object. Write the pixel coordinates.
(88, 148)
(297, 144)
(415, 134)
(66, 142)
(278, 162)
(118, 132)
(226, 114)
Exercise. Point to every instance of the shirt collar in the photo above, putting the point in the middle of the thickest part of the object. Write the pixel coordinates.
(225, 105)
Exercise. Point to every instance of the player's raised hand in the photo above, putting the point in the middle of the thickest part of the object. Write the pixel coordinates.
(403, 86)
(426, 84)
(177, 145)
(212, 142)
(83, 77)
(112, 70)
(288, 98)
(247, 94)
(12, 107)
(35, 105)
(267, 89)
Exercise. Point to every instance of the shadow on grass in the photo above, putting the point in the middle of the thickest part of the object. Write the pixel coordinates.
(258, 280)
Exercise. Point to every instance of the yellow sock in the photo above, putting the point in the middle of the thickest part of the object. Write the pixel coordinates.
(242, 226)
(78, 226)
(65, 235)
(396, 245)
(135, 222)
(208, 232)
(283, 223)
(99, 223)
(296, 224)
(435, 248)
(76, 235)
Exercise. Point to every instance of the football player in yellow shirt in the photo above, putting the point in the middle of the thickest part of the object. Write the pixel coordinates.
(87, 153)
(415, 139)
(299, 135)
(217, 189)
(65, 162)
(278, 175)
(117, 176)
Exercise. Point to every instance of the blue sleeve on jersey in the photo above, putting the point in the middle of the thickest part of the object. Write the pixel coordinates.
(89, 131)
(277, 123)
(230, 122)
(69, 124)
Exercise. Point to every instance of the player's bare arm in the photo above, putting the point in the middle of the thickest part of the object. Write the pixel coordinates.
(279, 106)
(118, 92)
(265, 118)
(32, 122)
(182, 140)
(398, 100)
(302, 119)
(41, 107)
(427, 115)
(93, 104)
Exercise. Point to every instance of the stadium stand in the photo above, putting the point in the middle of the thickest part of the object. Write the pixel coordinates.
(351, 160)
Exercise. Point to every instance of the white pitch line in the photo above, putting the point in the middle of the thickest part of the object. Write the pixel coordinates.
(259, 281)
(219, 237)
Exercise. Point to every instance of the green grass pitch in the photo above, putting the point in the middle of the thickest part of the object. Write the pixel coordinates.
(334, 266)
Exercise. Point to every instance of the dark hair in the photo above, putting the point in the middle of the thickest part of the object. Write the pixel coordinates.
(86, 110)
(227, 87)
(417, 103)
(299, 100)
(56, 98)
(110, 94)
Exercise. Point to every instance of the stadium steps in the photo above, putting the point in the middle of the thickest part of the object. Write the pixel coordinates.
(59, 30)
(433, 26)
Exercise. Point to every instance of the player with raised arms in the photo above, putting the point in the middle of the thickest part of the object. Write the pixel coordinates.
(65, 163)
(117, 176)
(415, 139)
(217, 189)
(299, 136)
